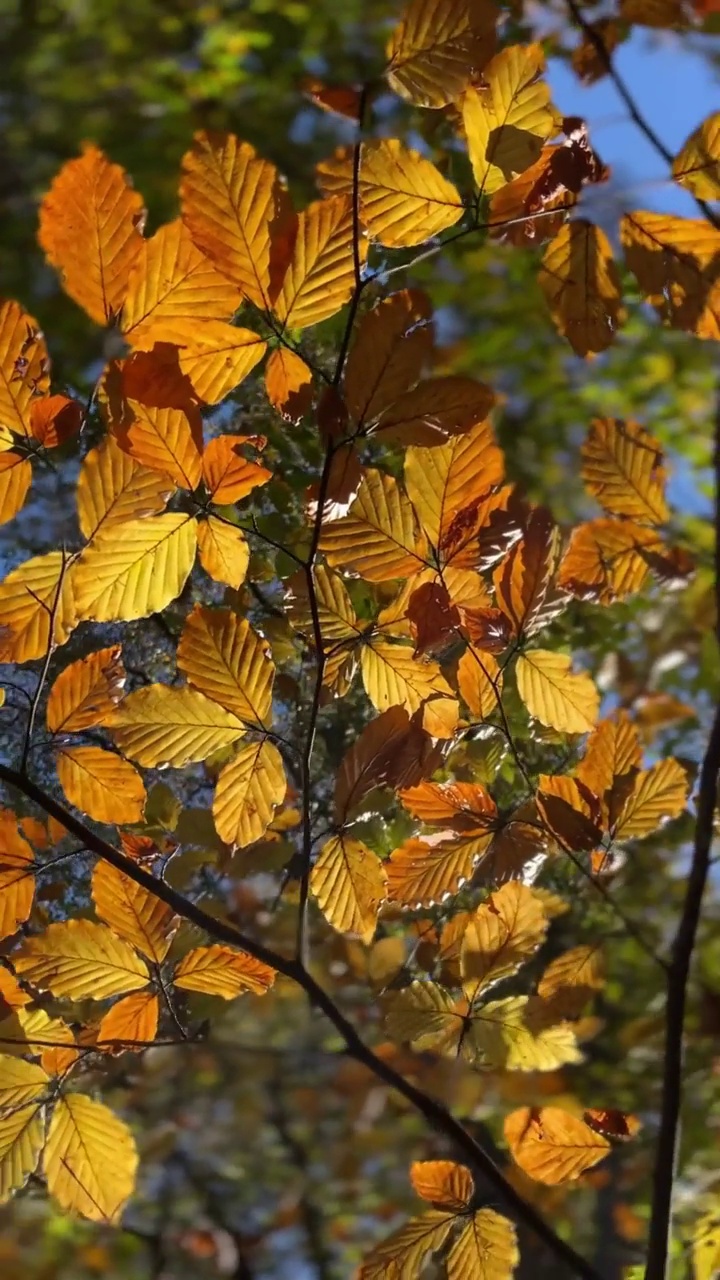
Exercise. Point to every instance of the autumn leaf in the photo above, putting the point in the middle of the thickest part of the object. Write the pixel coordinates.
(570, 811)
(581, 284)
(225, 659)
(379, 538)
(288, 382)
(486, 1249)
(214, 356)
(507, 121)
(553, 695)
(90, 1159)
(392, 344)
(424, 872)
(393, 750)
(445, 1184)
(172, 280)
(22, 1134)
(674, 261)
(393, 676)
(20, 1082)
(480, 681)
(405, 1251)
(37, 601)
(82, 960)
(114, 488)
(223, 551)
(623, 468)
(101, 784)
(436, 47)
(572, 979)
(613, 751)
(248, 791)
(167, 440)
(697, 164)
(441, 407)
(86, 691)
(222, 971)
(522, 580)
(443, 480)
(15, 481)
(24, 367)
(348, 882)
(607, 560)
(171, 726)
(658, 794)
(54, 420)
(227, 474)
(138, 574)
(321, 273)
(501, 934)
(17, 880)
(133, 1021)
(552, 1145)
(132, 912)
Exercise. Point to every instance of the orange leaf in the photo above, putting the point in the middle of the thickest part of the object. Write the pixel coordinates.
(480, 682)
(439, 408)
(552, 1145)
(349, 881)
(623, 468)
(422, 873)
(172, 280)
(55, 419)
(226, 472)
(133, 1021)
(86, 691)
(101, 784)
(90, 225)
(392, 344)
(24, 366)
(674, 261)
(607, 560)
(288, 383)
(445, 1184)
(465, 806)
(522, 580)
(223, 971)
(133, 912)
(339, 99)
(212, 358)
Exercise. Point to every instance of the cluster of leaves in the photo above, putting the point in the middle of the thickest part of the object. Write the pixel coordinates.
(416, 560)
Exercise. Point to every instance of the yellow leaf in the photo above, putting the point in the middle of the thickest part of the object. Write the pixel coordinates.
(697, 165)
(238, 213)
(658, 794)
(321, 274)
(90, 1159)
(623, 469)
(379, 537)
(426, 1016)
(32, 1031)
(441, 481)
(90, 223)
(392, 344)
(15, 480)
(160, 725)
(86, 691)
(137, 574)
(479, 681)
(674, 261)
(506, 1034)
(337, 618)
(133, 1020)
(22, 346)
(613, 750)
(101, 784)
(222, 971)
(223, 551)
(552, 1145)
(437, 45)
(214, 356)
(581, 284)
(82, 960)
(403, 1254)
(423, 873)
(248, 791)
(288, 382)
(501, 935)
(20, 1082)
(553, 695)
(606, 560)
(113, 488)
(507, 122)
(348, 881)
(172, 280)
(394, 677)
(227, 474)
(165, 440)
(706, 1245)
(571, 979)
(28, 595)
(22, 1134)
(404, 199)
(228, 661)
(486, 1249)
(132, 912)
(444, 1183)
(17, 882)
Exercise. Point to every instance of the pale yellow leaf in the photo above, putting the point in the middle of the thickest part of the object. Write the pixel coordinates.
(248, 791)
(403, 1254)
(132, 911)
(223, 551)
(101, 784)
(20, 1082)
(348, 881)
(508, 1035)
(658, 794)
(553, 695)
(137, 574)
(80, 959)
(90, 1159)
(163, 725)
(228, 661)
(507, 122)
(697, 164)
(394, 677)
(39, 587)
(222, 971)
(486, 1249)
(425, 1015)
(22, 1134)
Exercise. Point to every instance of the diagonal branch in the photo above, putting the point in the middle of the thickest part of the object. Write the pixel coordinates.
(435, 1114)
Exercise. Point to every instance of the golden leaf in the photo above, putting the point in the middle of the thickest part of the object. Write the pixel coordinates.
(28, 595)
(224, 658)
(441, 481)
(223, 551)
(172, 280)
(248, 791)
(214, 356)
(101, 784)
(20, 1082)
(90, 1159)
(137, 574)
(86, 691)
(697, 164)
(30, 1030)
(227, 474)
(437, 409)
(24, 366)
(321, 273)
(581, 284)
(22, 1133)
(675, 262)
(288, 382)
(17, 882)
(403, 1254)
(132, 911)
(570, 811)
(706, 1245)
(15, 480)
(607, 560)
(90, 224)
(623, 469)
(394, 677)
(507, 122)
(501, 935)
(571, 979)
(222, 971)
(392, 344)
(422, 873)
(522, 580)
(238, 213)
(337, 618)
(379, 537)
(425, 1015)
(113, 488)
(82, 960)
(552, 1145)
(658, 794)
(171, 726)
(506, 1034)
(445, 1184)
(612, 751)
(486, 1249)
(553, 695)
(348, 881)
(436, 47)
(165, 440)
(133, 1021)
(480, 681)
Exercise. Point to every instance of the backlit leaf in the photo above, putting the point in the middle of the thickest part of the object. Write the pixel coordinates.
(288, 382)
(571, 979)
(436, 46)
(90, 224)
(553, 695)
(437, 409)
(22, 1133)
(20, 1082)
(379, 538)
(171, 726)
(24, 366)
(394, 677)
(658, 794)
(214, 356)
(134, 1018)
(674, 261)
(402, 1255)
(444, 1183)
(90, 1159)
(612, 751)
(137, 574)
(552, 1145)
(506, 1035)
(507, 122)
(86, 691)
(581, 284)
(501, 935)
(321, 273)
(623, 468)
(172, 280)
(480, 682)
(227, 474)
(425, 1015)
(223, 551)
(222, 971)
(423, 873)
(441, 481)
(168, 440)
(17, 881)
(486, 1249)
(348, 882)
(55, 419)
(523, 578)
(113, 488)
(15, 480)
(28, 596)
(82, 960)
(228, 661)
(570, 811)
(248, 791)
(132, 911)
(697, 164)
(101, 784)
(464, 806)
(392, 344)
(607, 560)
(393, 750)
